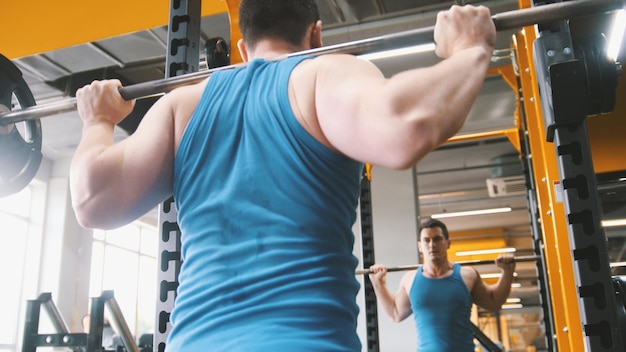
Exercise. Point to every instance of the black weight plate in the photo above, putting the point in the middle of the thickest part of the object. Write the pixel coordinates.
(217, 52)
(20, 156)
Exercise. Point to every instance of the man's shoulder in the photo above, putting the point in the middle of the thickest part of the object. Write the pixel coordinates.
(469, 273)
(407, 278)
(330, 61)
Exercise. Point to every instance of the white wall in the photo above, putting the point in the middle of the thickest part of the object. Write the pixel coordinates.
(395, 243)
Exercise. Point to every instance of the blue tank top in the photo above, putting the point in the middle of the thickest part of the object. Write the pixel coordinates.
(441, 309)
(266, 215)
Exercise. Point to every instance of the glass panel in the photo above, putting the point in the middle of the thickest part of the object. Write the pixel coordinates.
(146, 295)
(99, 235)
(120, 275)
(125, 237)
(131, 275)
(149, 242)
(97, 269)
(17, 204)
(12, 256)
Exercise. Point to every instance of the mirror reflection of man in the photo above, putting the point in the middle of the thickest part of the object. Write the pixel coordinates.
(440, 293)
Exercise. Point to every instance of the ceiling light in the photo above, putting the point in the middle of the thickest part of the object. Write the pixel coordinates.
(490, 276)
(472, 212)
(486, 251)
(616, 35)
(513, 300)
(417, 49)
(614, 223)
(494, 275)
(512, 306)
(516, 285)
(617, 264)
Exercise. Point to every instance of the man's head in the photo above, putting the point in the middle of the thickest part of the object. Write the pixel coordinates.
(432, 223)
(290, 21)
(433, 242)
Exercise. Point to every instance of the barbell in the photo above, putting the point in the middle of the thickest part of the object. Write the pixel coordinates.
(528, 258)
(20, 156)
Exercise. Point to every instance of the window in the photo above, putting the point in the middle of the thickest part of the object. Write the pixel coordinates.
(124, 261)
(20, 243)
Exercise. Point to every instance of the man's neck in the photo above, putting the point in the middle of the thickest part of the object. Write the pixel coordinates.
(268, 49)
(437, 267)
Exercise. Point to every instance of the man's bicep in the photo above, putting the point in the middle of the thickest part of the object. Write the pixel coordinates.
(481, 292)
(149, 156)
(403, 303)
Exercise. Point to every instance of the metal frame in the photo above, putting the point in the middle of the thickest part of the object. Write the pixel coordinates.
(535, 220)
(183, 57)
(367, 251)
(550, 228)
(88, 342)
(561, 241)
(560, 75)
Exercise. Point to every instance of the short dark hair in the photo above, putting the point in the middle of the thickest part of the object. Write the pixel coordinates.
(287, 20)
(431, 223)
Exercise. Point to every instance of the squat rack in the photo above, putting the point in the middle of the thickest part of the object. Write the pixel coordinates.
(587, 268)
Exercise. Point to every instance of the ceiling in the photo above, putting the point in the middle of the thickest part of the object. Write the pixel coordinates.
(451, 178)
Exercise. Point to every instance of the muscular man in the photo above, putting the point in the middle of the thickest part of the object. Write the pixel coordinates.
(264, 163)
(440, 293)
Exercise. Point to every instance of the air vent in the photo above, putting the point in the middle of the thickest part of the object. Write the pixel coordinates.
(506, 186)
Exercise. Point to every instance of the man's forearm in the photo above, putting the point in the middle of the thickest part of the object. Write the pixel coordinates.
(386, 300)
(89, 174)
(503, 287)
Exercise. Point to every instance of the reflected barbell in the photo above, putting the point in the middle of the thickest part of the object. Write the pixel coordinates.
(20, 156)
(528, 258)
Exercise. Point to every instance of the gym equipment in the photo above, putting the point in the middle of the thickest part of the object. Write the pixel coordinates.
(484, 339)
(89, 342)
(529, 258)
(20, 153)
(23, 157)
(217, 52)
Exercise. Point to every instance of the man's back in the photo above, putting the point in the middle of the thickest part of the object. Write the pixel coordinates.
(266, 213)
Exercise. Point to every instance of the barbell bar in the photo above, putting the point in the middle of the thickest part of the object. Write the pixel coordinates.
(528, 258)
(503, 21)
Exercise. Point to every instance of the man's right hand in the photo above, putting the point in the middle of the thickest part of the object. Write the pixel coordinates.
(463, 27)
(378, 273)
(101, 101)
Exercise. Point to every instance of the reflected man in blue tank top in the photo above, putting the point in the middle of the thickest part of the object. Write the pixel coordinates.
(440, 293)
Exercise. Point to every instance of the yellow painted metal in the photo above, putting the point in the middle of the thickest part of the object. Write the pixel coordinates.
(509, 75)
(558, 260)
(492, 242)
(607, 135)
(235, 33)
(35, 26)
(512, 134)
(475, 240)
(507, 72)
